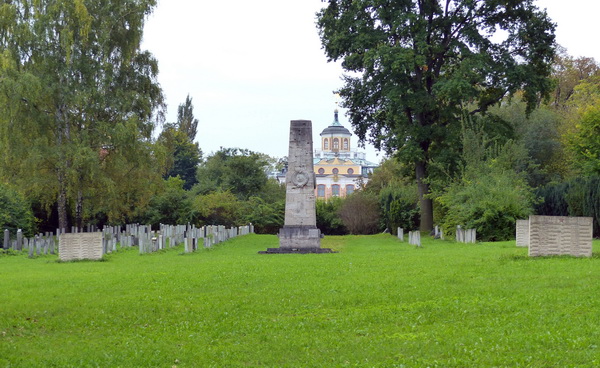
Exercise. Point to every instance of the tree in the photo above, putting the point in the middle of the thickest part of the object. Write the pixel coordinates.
(583, 129)
(397, 195)
(185, 119)
(183, 155)
(579, 196)
(568, 72)
(217, 208)
(15, 212)
(240, 171)
(540, 133)
(417, 65)
(172, 205)
(584, 142)
(78, 91)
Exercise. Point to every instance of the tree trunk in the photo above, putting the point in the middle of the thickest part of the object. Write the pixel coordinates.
(62, 135)
(79, 210)
(62, 202)
(426, 204)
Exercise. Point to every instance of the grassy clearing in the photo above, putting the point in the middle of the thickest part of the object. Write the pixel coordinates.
(376, 303)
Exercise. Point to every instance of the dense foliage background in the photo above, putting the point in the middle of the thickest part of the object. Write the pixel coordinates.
(65, 161)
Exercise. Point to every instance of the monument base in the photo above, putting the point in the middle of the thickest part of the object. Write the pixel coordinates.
(296, 250)
(300, 240)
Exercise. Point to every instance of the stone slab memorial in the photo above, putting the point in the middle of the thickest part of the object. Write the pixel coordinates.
(79, 246)
(522, 233)
(559, 235)
(300, 233)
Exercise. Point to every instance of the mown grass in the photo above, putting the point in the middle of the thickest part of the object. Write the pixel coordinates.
(376, 303)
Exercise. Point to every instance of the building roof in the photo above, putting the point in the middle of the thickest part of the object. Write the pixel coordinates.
(336, 128)
(342, 161)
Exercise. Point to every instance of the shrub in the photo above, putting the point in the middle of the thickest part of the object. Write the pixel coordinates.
(267, 218)
(490, 203)
(577, 197)
(399, 207)
(328, 218)
(360, 213)
(492, 191)
(217, 208)
(171, 206)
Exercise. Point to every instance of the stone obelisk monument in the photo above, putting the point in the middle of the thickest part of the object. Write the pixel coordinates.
(300, 233)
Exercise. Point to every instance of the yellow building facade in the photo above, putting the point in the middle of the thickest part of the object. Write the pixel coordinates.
(338, 167)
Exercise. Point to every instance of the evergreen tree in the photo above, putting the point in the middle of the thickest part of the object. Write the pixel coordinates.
(183, 155)
(185, 119)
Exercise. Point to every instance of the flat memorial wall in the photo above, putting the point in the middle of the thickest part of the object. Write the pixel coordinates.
(79, 246)
(522, 233)
(558, 235)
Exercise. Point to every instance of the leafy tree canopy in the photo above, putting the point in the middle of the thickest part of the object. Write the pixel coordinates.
(568, 72)
(15, 212)
(240, 171)
(182, 155)
(172, 205)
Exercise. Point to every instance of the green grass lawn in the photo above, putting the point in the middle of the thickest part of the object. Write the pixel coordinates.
(376, 303)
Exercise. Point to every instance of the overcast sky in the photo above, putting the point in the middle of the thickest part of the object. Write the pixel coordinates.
(252, 66)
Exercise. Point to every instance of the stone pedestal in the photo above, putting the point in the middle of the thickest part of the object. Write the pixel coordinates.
(300, 233)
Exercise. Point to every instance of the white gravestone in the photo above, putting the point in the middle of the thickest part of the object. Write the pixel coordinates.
(522, 229)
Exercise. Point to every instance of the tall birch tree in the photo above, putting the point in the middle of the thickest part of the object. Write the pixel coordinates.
(79, 100)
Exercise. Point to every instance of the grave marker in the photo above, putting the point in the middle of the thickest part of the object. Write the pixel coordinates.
(6, 243)
(522, 233)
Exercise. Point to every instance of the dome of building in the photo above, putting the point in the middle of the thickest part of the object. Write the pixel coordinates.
(336, 128)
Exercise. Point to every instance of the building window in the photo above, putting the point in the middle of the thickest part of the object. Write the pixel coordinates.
(321, 191)
(335, 171)
(325, 144)
(350, 171)
(321, 171)
(349, 189)
(346, 144)
(335, 190)
(336, 144)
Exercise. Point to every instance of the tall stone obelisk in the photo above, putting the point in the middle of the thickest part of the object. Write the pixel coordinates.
(300, 233)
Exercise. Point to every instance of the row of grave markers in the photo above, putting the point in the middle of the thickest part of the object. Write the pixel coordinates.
(81, 246)
(42, 243)
(462, 235)
(543, 235)
(93, 245)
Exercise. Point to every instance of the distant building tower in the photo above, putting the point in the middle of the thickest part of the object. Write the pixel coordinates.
(338, 167)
